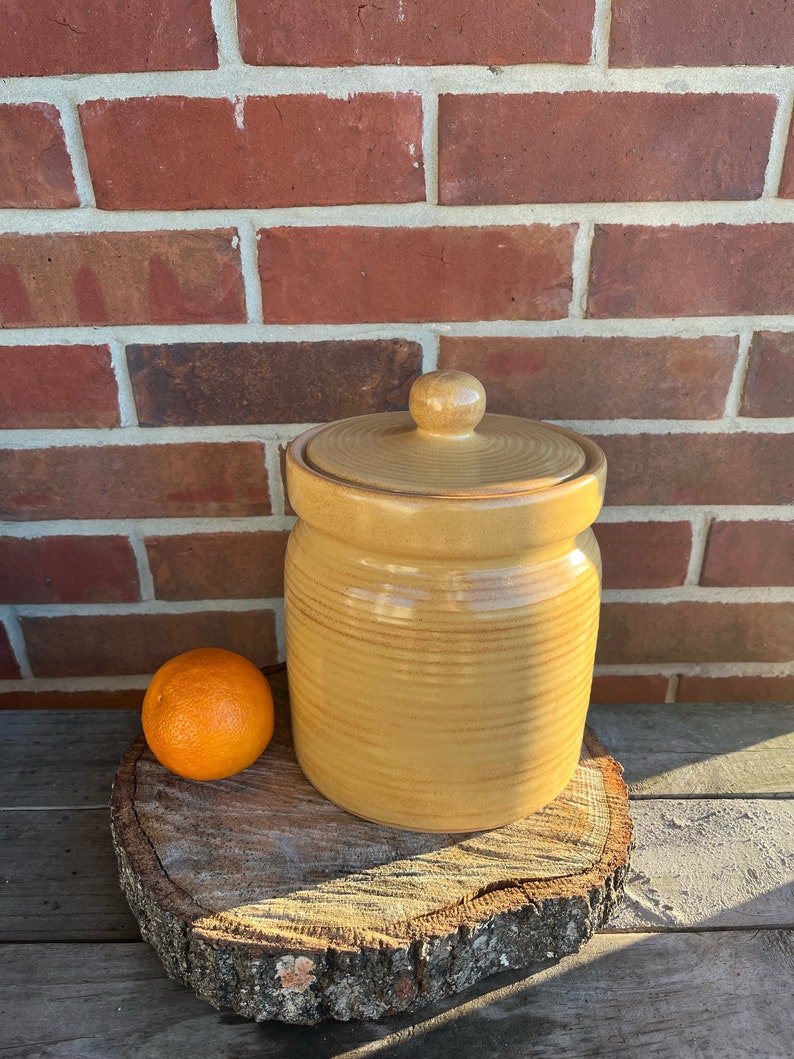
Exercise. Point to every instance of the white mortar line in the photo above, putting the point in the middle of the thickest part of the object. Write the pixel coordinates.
(699, 594)
(581, 270)
(430, 351)
(684, 513)
(73, 137)
(148, 606)
(430, 151)
(249, 264)
(235, 78)
(275, 482)
(666, 214)
(274, 432)
(127, 410)
(700, 532)
(224, 17)
(602, 25)
(733, 398)
(672, 687)
(779, 142)
(10, 619)
(146, 527)
(698, 669)
(145, 579)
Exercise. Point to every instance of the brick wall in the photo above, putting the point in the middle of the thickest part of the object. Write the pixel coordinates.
(220, 223)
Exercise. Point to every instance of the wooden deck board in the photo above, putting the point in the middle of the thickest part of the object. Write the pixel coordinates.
(660, 996)
(716, 750)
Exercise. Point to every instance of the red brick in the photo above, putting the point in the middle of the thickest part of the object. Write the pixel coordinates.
(136, 481)
(175, 153)
(786, 189)
(126, 699)
(35, 168)
(628, 690)
(126, 644)
(126, 35)
(361, 275)
(704, 270)
(695, 632)
(67, 570)
(717, 33)
(644, 554)
(218, 565)
(270, 382)
(602, 147)
(749, 553)
(57, 386)
(575, 378)
(120, 278)
(769, 386)
(399, 32)
(735, 689)
(9, 667)
(699, 468)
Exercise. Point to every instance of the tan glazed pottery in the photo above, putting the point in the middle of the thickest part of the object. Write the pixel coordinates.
(442, 599)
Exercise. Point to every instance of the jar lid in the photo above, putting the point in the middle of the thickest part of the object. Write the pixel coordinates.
(446, 446)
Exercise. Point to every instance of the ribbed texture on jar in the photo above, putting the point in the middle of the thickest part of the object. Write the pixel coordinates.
(437, 696)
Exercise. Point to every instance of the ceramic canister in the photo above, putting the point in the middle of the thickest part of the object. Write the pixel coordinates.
(442, 599)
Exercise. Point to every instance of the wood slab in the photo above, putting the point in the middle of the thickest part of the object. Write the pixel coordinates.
(262, 896)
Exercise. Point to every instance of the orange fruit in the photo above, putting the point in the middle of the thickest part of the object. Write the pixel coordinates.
(208, 714)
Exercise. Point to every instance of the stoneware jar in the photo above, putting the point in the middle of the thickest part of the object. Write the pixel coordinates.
(442, 600)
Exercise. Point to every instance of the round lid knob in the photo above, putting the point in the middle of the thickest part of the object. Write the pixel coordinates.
(447, 403)
(446, 447)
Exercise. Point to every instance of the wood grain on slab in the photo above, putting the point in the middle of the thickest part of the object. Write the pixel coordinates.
(705, 749)
(267, 898)
(660, 996)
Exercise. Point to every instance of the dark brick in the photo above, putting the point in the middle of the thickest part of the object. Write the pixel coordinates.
(397, 32)
(717, 33)
(602, 147)
(769, 386)
(57, 386)
(699, 468)
(70, 279)
(270, 382)
(695, 632)
(644, 554)
(218, 565)
(67, 570)
(35, 168)
(747, 554)
(360, 275)
(135, 481)
(703, 270)
(575, 378)
(121, 644)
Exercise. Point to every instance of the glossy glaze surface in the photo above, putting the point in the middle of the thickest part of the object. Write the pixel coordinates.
(440, 648)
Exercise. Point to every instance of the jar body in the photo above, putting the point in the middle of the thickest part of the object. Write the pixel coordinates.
(437, 694)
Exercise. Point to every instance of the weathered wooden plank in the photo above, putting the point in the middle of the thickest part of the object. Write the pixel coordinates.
(704, 749)
(710, 863)
(661, 996)
(62, 757)
(59, 876)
